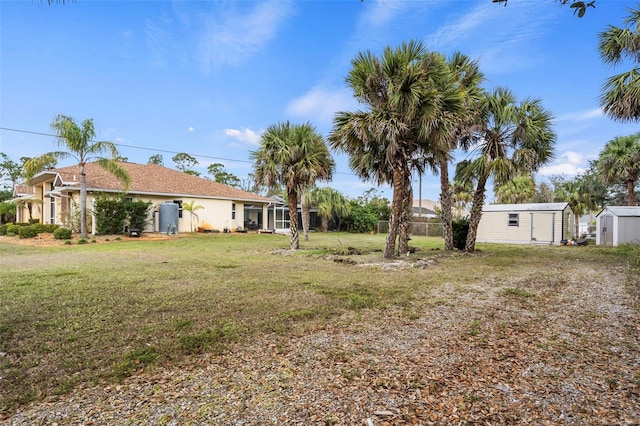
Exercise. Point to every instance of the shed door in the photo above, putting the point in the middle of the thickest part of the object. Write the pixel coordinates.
(542, 227)
(606, 236)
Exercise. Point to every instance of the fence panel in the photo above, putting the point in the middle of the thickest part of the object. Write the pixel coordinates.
(425, 229)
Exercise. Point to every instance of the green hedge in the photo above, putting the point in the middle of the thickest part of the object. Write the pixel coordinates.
(28, 232)
(113, 214)
(62, 234)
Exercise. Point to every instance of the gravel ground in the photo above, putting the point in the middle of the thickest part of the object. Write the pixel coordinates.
(569, 353)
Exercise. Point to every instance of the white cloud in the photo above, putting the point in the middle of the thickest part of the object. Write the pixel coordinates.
(245, 135)
(582, 115)
(191, 129)
(382, 12)
(159, 39)
(571, 164)
(502, 44)
(451, 34)
(320, 105)
(237, 36)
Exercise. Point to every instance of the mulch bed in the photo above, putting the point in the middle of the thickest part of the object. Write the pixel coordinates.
(570, 356)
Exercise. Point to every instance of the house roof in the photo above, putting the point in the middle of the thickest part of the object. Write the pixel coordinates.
(425, 211)
(23, 190)
(152, 179)
(426, 204)
(525, 207)
(630, 211)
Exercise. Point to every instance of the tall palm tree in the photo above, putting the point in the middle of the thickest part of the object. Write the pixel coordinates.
(295, 156)
(619, 162)
(511, 138)
(460, 95)
(384, 141)
(78, 140)
(620, 97)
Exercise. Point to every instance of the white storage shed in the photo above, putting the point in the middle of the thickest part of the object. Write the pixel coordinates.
(618, 225)
(533, 223)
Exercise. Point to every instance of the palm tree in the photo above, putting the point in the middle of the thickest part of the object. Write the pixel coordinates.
(577, 195)
(460, 97)
(78, 139)
(619, 162)
(329, 204)
(295, 156)
(192, 207)
(511, 138)
(520, 189)
(620, 97)
(305, 212)
(29, 203)
(385, 141)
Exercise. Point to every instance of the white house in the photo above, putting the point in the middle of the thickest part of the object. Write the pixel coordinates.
(535, 223)
(56, 193)
(617, 225)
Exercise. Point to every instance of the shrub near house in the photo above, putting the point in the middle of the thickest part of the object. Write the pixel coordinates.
(113, 214)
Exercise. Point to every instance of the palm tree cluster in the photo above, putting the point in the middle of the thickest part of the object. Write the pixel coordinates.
(421, 107)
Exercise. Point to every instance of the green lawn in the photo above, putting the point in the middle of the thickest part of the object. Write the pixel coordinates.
(86, 314)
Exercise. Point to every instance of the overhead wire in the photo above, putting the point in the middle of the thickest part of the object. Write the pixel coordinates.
(165, 151)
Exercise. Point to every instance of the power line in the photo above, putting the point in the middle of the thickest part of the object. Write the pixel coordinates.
(147, 149)
(133, 146)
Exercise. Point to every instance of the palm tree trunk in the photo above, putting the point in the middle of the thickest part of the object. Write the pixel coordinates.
(325, 224)
(306, 214)
(83, 202)
(405, 219)
(396, 212)
(446, 205)
(292, 196)
(476, 214)
(631, 195)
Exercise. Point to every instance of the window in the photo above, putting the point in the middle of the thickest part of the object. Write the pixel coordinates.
(513, 219)
(52, 209)
(179, 203)
(233, 211)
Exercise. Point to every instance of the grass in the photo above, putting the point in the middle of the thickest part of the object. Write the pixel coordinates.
(97, 313)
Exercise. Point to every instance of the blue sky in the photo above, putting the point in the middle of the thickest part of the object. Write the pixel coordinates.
(207, 77)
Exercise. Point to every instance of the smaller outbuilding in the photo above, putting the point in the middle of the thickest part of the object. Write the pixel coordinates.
(618, 225)
(532, 223)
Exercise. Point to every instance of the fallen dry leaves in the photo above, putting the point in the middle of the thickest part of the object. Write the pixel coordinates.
(570, 355)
